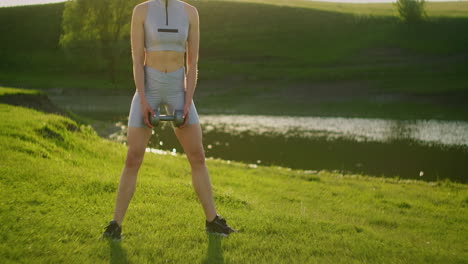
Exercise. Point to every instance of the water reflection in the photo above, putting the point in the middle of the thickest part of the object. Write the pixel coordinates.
(357, 129)
(427, 150)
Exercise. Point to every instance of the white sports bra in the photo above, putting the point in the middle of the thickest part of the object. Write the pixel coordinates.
(166, 25)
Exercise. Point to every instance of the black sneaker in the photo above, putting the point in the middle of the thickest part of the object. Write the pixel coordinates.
(113, 231)
(218, 226)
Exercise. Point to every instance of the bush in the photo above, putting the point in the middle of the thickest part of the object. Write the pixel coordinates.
(411, 11)
(98, 28)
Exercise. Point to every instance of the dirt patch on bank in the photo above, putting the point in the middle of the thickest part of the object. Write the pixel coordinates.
(38, 102)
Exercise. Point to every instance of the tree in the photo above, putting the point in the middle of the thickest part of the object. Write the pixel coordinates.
(100, 27)
(411, 11)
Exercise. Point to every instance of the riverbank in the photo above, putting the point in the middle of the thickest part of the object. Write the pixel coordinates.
(296, 65)
(55, 208)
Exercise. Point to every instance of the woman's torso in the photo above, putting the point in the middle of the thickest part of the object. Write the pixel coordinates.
(160, 34)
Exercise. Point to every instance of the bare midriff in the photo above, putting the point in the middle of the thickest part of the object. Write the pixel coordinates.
(164, 60)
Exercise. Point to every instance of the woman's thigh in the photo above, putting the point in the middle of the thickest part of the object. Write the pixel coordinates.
(190, 137)
(137, 140)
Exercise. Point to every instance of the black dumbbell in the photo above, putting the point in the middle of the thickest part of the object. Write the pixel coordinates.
(177, 119)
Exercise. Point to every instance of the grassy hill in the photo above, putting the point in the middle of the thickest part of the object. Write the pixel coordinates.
(58, 182)
(277, 57)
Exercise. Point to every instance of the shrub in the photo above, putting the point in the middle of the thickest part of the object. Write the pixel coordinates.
(99, 28)
(411, 11)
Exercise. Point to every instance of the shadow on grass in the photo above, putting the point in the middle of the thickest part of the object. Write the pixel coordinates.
(214, 253)
(117, 253)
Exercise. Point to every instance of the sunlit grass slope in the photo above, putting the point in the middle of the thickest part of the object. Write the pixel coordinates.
(437, 9)
(58, 181)
(245, 41)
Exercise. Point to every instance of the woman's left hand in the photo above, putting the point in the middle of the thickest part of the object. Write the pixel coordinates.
(186, 113)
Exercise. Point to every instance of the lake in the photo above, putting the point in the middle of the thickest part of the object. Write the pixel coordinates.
(410, 149)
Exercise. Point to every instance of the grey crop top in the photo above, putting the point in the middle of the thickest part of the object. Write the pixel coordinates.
(166, 25)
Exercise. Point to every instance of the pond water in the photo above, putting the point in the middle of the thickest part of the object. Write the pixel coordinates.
(411, 149)
(427, 150)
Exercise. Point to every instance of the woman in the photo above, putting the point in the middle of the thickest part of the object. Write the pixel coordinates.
(162, 32)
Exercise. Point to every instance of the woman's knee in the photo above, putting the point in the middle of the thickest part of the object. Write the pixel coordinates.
(137, 140)
(196, 158)
(134, 158)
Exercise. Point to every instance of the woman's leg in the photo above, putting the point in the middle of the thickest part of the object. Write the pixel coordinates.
(190, 137)
(137, 139)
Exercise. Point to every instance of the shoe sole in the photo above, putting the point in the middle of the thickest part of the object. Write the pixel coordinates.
(110, 238)
(218, 234)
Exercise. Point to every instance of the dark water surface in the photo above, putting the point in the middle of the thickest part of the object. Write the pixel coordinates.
(425, 150)
(414, 149)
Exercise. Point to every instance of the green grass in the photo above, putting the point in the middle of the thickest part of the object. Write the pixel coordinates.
(293, 47)
(59, 180)
(434, 9)
(11, 91)
(293, 40)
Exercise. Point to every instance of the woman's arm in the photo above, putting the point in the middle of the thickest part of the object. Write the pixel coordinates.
(193, 41)
(138, 57)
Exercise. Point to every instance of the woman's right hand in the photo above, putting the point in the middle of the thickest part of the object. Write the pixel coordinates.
(147, 110)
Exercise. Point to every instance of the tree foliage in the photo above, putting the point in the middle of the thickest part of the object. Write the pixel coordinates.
(99, 28)
(411, 11)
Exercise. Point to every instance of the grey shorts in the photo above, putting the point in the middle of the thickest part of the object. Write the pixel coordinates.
(161, 89)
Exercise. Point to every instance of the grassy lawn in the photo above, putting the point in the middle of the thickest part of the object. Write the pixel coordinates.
(293, 57)
(59, 179)
(445, 9)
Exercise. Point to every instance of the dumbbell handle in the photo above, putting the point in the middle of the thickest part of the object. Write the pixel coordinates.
(177, 118)
(166, 117)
